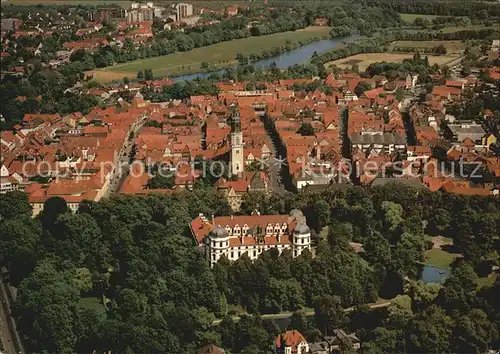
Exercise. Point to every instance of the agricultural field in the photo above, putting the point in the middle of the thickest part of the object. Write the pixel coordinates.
(412, 17)
(219, 55)
(452, 46)
(366, 59)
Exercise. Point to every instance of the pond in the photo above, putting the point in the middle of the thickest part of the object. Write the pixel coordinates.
(299, 55)
(431, 274)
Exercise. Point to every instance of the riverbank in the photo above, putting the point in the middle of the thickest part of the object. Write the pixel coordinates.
(212, 57)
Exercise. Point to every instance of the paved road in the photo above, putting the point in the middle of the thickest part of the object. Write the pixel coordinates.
(121, 171)
(454, 62)
(276, 182)
(283, 315)
(7, 344)
(275, 171)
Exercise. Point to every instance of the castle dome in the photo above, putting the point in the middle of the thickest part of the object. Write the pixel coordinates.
(296, 213)
(219, 232)
(302, 229)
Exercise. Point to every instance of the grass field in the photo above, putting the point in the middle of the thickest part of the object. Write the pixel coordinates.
(487, 281)
(439, 258)
(221, 55)
(364, 60)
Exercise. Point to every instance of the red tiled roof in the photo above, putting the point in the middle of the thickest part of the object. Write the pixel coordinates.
(250, 220)
(372, 94)
(289, 339)
(453, 187)
(444, 91)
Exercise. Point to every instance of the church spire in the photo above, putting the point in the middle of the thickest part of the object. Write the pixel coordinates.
(236, 162)
(235, 120)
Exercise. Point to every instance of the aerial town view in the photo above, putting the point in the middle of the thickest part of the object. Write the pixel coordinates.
(250, 177)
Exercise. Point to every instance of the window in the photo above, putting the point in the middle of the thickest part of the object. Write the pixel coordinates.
(254, 253)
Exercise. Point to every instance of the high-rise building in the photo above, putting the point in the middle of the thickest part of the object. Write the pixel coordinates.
(142, 12)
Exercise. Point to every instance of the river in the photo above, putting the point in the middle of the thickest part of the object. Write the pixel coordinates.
(299, 55)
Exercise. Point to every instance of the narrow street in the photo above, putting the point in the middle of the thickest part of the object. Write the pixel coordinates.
(123, 167)
(275, 171)
(275, 167)
(10, 338)
(343, 125)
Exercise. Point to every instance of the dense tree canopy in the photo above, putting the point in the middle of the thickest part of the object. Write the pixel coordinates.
(124, 274)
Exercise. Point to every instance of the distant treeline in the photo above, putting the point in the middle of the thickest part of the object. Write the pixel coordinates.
(476, 9)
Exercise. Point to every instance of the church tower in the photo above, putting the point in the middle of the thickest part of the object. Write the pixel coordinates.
(236, 163)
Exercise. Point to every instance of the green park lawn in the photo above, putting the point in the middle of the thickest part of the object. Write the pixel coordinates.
(219, 55)
(487, 281)
(439, 258)
(93, 303)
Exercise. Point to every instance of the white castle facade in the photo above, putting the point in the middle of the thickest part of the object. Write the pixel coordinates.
(233, 236)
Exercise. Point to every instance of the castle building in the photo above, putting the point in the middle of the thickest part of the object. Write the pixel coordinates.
(236, 164)
(183, 10)
(233, 236)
